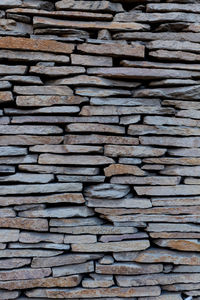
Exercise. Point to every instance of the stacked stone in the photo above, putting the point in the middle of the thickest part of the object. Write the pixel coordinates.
(100, 149)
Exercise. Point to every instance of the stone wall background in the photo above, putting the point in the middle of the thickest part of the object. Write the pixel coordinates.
(99, 146)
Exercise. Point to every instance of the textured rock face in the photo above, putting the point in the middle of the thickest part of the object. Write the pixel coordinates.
(100, 149)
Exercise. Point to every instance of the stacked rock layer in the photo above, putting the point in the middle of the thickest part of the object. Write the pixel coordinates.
(100, 149)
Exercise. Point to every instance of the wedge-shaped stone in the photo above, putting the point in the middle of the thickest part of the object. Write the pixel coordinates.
(100, 92)
(98, 139)
(124, 110)
(42, 90)
(33, 237)
(125, 101)
(155, 279)
(49, 100)
(175, 56)
(94, 127)
(134, 50)
(9, 235)
(182, 104)
(129, 120)
(128, 268)
(31, 56)
(85, 80)
(107, 229)
(73, 269)
(94, 293)
(28, 178)
(90, 60)
(55, 23)
(6, 140)
(120, 169)
(62, 260)
(69, 281)
(184, 93)
(79, 239)
(65, 149)
(35, 45)
(27, 273)
(12, 263)
(24, 223)
(55, 198)
(98, 281)
(125, 202)
(109, 191)
(170, 227)
(179, 244)
(40, 188)
(190, 142)
(151, 180)
(112, 247)
(98, 6)
(138, 73)
(76, 222)
(132, 151)
(162, 130)
(47, 110)
(168, 190)
(11, 253)
(56, 71)
(74, 159)
(60, 212)
(6, 97)
(29, 129)
(13, 151)
(117, 238)
(23, 79)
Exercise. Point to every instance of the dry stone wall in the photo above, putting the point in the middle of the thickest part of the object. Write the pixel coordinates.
(100, 149)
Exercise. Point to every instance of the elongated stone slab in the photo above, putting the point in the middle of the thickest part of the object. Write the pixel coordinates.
(96, 281)
(11, 253)
(62, 260)
(150, 180)
(98, 139)
(79, 239)
(179, 244)
(24, 223)
(162, 130)
(65, 149)
(9, 294)
(55, 23)
(128, 268)
(112, 247)
(100, 92)
(33, 237)
(94, 229)
(55, 198)
(168, 190)
(42, 90)
(10, 3)
(120, 169)
(109, 191)
(188, 142)
(98, 6)
(68, 281)
(29, 129)
(94, 293)
(140, 73)
(74, 159)
(33, 45)
(6, 140)
(9, 235)
(170, 227)
(59, 212)
(124, 202)
(41, 188)
(132, 151)
(56, 71)
(13, 151)
(88, 60)
(73, 269)
(27, 273)
(49, 100)
(85, 127)
(124, 101)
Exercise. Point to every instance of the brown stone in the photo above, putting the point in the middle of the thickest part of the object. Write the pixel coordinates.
(6, 97)
(29, 140)
(11, 253)
(120, 169)
(49, 100)
(42, 90)
(85, 127)
(27, 273)
(24, 223)
(94, 293)
(98, 139)
(150, 180)
(179, 244)
(133, 151)
(69, 281)
(85, 229)
(35, 45)
(74, 159)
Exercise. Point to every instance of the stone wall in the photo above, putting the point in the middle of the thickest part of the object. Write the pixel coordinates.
(100, 149)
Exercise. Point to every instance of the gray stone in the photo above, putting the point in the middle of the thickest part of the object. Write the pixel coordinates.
(73, 269)
(9, 235)
(88, 60)
(28, 178)
(109, 191)
(33, 237)
(13, 151)
(97, 281)
(133, 151)
(74, 159)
